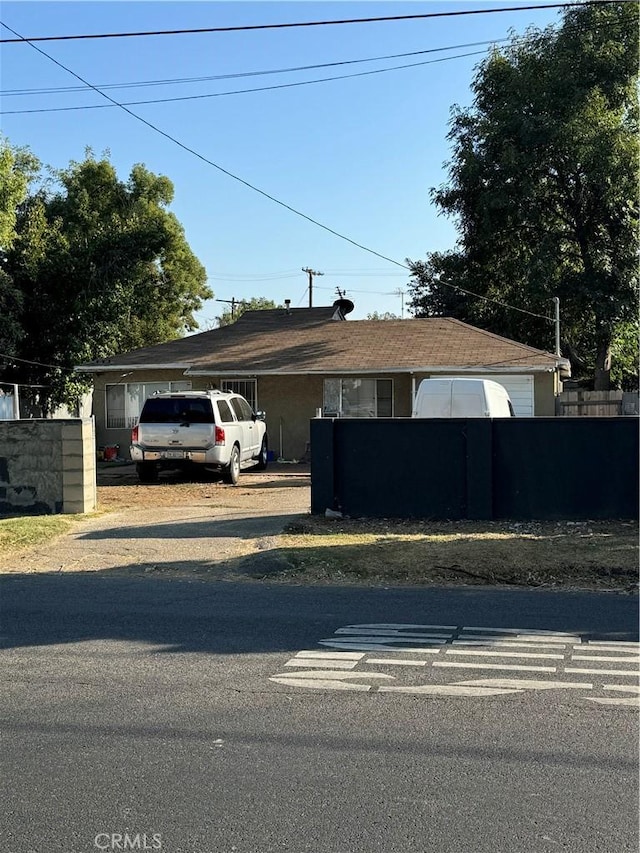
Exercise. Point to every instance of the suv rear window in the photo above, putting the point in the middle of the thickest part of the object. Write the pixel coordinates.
(176, 410)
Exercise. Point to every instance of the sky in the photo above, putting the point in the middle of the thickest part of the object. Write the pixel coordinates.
(357, 155)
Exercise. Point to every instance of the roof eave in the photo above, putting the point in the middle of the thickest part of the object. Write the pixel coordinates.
(103, 368)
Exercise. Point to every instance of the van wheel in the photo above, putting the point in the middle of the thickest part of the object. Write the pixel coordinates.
(147, 472)
(232, 471)
(263, 456)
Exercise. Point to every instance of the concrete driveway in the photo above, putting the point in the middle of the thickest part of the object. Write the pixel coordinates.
(175, 527)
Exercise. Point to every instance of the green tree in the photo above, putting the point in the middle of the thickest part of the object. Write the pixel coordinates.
(256, 303)
(18, 167)
(102, 267)
(543, 187)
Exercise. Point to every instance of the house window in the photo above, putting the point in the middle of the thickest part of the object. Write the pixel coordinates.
(247, 388)
(358, 398)
(125, 400)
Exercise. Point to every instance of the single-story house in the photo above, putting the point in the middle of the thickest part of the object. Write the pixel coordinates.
(295, 363)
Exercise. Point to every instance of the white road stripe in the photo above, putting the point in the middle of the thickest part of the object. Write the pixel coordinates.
(308, 675)
(398, 625)
(321, 684)
(528, 684)
(537, 640)
(632, 672)
(327, 680)
(606, 657)
(314, 653)
(501, 666)
(632, 646)
(522, 631)
(633, 703)
(447, 690)
(396, 662)
(331, 664)
(399, 635)
(468, 652)
(509, 644)
(623, 688)
(622, 650)
(382, 646)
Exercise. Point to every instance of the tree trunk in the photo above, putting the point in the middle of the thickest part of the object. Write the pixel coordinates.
(602, 374)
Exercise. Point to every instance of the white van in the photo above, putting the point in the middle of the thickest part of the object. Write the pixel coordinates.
(461, 398)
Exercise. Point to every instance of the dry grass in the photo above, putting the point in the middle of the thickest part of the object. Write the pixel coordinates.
(596, 555)
(27, 531)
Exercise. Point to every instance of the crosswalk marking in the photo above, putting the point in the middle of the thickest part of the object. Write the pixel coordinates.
(421, 657)
(315, 653)
(460, 665)
(529, 684)
(583, 671)
(334, 664)
(503, 654)
(605, 658)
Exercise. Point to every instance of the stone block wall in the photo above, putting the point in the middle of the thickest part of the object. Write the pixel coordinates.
(47, 466)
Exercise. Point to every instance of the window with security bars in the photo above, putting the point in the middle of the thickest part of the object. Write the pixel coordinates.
(124, 401)
(247, 388)
(358, 398)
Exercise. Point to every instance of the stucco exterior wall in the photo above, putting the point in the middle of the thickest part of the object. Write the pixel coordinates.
(47, 466)
(289, 401)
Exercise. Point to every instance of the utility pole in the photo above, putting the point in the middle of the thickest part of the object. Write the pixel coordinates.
(400, 292)
(311, 274)
(556, 302)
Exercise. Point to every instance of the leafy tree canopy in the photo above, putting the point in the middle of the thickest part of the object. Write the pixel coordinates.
(17, 169)
(102, 266)
(234, 312)
(543, 188)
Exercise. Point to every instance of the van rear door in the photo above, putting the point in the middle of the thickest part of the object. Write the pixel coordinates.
(433, 399)
(468, 399)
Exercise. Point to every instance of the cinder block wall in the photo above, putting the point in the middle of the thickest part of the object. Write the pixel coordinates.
(47, 466)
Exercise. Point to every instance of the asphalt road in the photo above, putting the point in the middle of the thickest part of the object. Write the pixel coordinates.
(140, 713)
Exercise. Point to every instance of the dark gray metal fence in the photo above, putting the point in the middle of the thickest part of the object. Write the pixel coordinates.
(520, 468)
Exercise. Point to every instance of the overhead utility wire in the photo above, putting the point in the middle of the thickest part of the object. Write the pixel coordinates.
(170, 81)
(251, 186)
(38, 110)
(236, 91)
(26, 361)
(248, 27)
(207, 79)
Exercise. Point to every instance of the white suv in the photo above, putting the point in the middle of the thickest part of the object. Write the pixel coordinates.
(214, 430)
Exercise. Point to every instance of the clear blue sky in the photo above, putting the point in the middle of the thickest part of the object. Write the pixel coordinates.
(359, 155)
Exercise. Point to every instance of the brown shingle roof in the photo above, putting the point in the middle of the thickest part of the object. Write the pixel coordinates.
(308, 340)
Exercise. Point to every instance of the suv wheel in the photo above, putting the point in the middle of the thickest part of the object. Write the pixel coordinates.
(147, 472)
(263, 456)
(232, 472)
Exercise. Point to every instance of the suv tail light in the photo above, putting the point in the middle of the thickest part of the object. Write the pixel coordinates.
(219, 436)
(134, 435)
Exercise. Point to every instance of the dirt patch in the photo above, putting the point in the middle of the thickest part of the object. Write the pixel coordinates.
(119, 488)
(261, 529)
(590, 554)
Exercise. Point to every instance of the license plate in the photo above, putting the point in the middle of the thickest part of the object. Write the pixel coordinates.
(173, 454)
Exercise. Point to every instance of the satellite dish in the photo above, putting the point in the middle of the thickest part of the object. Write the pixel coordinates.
(346, 306)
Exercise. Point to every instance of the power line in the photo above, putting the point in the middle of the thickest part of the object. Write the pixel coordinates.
(204, 159)
(257, 189)
(249, 27)
(209, 78)
(170, 81)
(275, 87)
(27, 361)
(236, 91)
